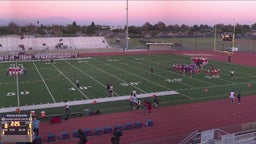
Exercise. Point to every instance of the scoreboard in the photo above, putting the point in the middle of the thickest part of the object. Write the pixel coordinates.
(16, 128)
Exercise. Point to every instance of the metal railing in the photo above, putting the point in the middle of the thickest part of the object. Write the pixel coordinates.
(194, 135)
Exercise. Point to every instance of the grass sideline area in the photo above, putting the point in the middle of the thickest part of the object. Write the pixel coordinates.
(198, 43)
(46, 82)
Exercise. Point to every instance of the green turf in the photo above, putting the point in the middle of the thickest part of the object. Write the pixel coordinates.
(50, 83)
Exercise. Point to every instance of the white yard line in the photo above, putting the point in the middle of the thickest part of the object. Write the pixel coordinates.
(162, 77)
(69, 80)
(18, 91)
(116, 77)
(140, 77)
(155, 73)
(44, 83)
(88, 76)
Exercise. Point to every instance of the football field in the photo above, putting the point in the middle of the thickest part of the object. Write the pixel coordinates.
(47, 82)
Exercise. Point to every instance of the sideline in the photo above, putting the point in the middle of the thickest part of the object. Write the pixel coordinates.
(89, 101)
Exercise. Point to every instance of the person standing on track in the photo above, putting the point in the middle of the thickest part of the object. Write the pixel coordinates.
(35, 125)
(149, 108)
(132, 97)
(145, 105)
(82, 137)
(131, 100)
(67, 110)
(134, 101)
(239, 97)
(155, 101)
(232, 97)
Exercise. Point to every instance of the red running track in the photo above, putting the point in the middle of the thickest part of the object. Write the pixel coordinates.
(168, 121)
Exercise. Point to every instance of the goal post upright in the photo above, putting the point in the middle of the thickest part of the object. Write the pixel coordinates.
(233, 36)
(215, 35)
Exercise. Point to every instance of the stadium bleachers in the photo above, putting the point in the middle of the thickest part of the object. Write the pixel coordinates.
(219, 136)
(51, 43)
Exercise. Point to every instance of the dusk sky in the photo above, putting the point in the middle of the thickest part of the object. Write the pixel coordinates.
(113, 13)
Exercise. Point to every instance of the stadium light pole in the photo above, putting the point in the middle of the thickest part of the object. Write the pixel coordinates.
(126, 37)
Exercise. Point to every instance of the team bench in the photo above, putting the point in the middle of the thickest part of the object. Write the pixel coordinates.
(56, 118)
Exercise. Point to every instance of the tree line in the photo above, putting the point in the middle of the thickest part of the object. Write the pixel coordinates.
(146, 30)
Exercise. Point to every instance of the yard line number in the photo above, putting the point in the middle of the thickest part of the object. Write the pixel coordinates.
(174, 80)
(129, 84)
(14, 93)
(81, 88)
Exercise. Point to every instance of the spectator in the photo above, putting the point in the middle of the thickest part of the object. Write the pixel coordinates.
(82, 137)
(115, 139)
(35, 126)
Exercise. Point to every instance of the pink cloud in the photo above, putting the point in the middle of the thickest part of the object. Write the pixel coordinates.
(171, 12)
